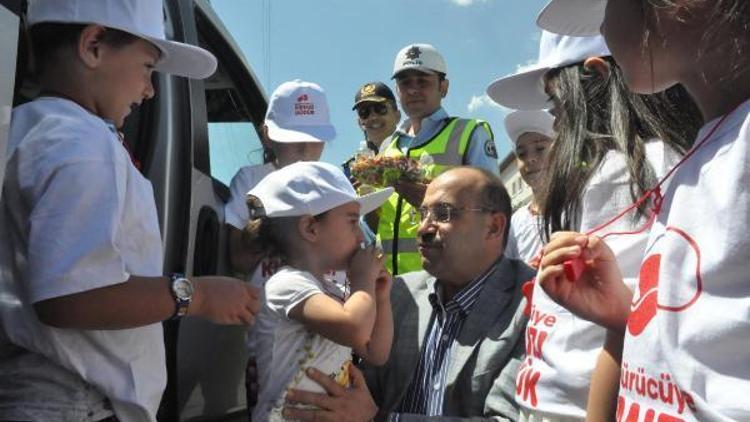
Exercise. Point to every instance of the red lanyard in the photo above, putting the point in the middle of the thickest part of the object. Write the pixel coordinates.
(574, 267)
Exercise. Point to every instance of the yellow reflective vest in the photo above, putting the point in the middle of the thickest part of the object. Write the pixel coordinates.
(398, 223)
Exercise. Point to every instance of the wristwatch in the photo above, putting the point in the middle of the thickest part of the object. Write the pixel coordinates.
(182, 292)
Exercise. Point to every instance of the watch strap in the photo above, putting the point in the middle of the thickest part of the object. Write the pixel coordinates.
(181, 304)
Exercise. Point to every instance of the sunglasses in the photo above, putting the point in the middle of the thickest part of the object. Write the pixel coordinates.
(364, 110)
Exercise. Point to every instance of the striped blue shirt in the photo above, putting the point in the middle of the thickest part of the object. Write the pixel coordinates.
(427, 388)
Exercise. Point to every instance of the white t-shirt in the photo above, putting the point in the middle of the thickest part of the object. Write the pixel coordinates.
(295, 348)
(524, 238)
(561, 348)
(687, 345)
(236, 213)
(76, 216)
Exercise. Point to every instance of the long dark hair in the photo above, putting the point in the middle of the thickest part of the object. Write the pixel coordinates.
(265, 235)
(727, 34)
(596, 114)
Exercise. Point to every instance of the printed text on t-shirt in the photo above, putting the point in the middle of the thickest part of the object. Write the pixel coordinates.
(639, 383)
(537, 331)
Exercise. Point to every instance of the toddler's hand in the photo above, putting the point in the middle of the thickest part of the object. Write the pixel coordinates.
(224, 300)
(364, 268)
(383, 284)
(599, 295)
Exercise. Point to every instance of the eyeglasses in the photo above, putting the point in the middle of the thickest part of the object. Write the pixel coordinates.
(444, 213)
(364, 110)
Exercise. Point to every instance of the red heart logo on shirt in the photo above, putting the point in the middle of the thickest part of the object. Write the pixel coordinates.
(643, 310)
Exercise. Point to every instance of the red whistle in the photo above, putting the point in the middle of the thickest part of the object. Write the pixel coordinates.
(573, 268)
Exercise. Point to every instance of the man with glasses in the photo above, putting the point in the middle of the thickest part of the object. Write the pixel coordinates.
(377, 116)
(421, 82)
(459, 324)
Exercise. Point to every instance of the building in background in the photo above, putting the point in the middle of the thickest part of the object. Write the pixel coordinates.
(520, 192)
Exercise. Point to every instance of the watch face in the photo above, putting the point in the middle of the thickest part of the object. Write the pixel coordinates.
(183, 288)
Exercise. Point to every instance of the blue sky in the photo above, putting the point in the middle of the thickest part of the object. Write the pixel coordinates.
(341, 44)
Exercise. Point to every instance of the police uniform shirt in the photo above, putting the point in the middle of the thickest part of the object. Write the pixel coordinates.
(481, 153)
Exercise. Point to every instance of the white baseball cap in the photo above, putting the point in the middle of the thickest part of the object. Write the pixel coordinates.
(573, 17)
(522, 121)
(311, 188)
(298, 112)
(142, 18)
(422, 57)
(524, 90)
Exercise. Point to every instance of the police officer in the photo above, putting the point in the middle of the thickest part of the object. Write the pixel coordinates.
(377, 115)
(420, 74)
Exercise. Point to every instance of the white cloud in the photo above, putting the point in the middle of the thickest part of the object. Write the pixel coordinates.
(531, 64)
(536, 37)
(466, 3)
(478, 102)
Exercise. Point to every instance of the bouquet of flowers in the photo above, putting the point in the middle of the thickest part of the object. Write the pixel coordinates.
(381, 171)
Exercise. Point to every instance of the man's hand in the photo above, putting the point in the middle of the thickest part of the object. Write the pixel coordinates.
(353, 404)
(412, 192)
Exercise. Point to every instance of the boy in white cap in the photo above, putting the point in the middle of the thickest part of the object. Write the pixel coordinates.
(420, 74)
(307, 215)
(81, 257)
(532, 135)
(296, 128)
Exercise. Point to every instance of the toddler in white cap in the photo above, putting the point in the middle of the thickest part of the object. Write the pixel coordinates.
(83, 288)
(307, 214)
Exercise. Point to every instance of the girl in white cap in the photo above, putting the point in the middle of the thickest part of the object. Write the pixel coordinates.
(532, 135)
(307, 215)
(82, 287)
(611, 146)
(685, 328)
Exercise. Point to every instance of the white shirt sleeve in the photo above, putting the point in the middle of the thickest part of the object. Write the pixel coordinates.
(235, 211)
(73, 229)
(288, 288)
